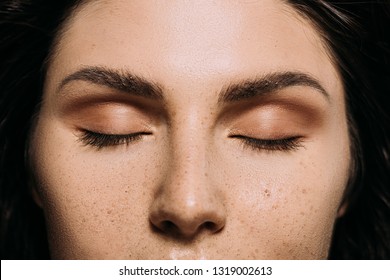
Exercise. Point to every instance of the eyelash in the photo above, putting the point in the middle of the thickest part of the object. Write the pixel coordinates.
(284, 144)
(100, 140)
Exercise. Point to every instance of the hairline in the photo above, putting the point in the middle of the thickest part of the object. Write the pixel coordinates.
(61, 30)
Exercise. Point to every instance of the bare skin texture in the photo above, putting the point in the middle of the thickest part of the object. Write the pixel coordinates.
(146, 145)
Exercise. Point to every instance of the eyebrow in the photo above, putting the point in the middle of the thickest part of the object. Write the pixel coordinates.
(116, 79)
(248, 89)
(270, 83)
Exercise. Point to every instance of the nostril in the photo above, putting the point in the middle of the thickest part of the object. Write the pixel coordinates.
(213, 227)
(210, 226)
(168, 227)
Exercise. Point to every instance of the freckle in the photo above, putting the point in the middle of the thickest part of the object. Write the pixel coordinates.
(304, 191)
(109, 211)
(302, 213)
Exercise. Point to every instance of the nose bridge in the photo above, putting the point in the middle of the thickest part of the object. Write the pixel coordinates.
(188, 159)
(186, 200)
(189, 144)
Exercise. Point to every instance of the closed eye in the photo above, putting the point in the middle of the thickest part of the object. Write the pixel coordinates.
(279, 144)
(101, 140)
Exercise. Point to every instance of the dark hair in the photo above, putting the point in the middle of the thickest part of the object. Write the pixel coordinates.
(357, 39)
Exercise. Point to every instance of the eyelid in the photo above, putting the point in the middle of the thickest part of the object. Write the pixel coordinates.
(288, 111)
(98, 112)
(261, 133)
(102, 140)
(291, 143)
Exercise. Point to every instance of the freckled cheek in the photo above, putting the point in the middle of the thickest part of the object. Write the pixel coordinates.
(89, 196)
(287, 204)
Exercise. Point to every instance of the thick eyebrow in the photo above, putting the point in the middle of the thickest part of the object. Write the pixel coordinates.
(269, 83)
(116, 79)
(248, 89)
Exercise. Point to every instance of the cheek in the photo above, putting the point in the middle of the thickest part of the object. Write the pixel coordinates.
(287, 204)
(92, 200)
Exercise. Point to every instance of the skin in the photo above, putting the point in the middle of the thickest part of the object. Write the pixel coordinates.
(190, 187)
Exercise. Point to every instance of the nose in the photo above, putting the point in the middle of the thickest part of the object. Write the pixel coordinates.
(188, 203)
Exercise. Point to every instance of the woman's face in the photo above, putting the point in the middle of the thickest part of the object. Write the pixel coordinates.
(187, 130)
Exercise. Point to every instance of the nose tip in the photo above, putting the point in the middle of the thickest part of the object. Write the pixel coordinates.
(188, 221)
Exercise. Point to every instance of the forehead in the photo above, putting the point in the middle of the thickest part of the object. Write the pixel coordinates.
(193, 41)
